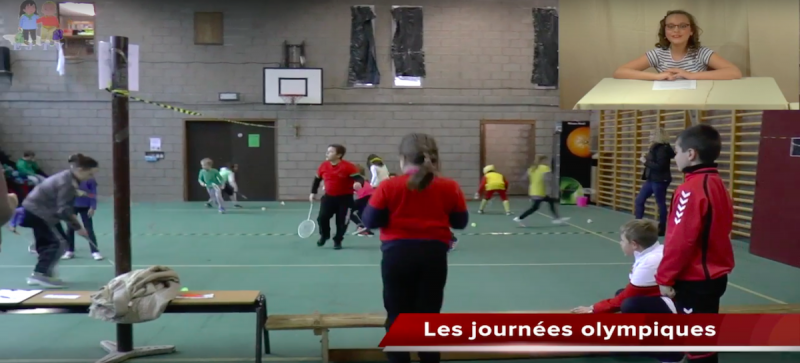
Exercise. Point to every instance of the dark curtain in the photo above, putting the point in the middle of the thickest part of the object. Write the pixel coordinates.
(407, 54)
(545, 51)
(363, 65)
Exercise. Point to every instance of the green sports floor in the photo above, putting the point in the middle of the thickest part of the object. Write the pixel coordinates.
(498, 266)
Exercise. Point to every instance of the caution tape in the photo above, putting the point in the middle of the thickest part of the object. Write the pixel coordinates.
(127, 94)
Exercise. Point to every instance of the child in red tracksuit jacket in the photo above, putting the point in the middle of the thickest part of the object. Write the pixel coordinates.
(698, 255)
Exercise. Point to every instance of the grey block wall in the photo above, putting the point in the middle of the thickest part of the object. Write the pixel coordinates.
(478, 53)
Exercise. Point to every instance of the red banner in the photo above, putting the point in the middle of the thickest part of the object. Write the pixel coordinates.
(593, 332)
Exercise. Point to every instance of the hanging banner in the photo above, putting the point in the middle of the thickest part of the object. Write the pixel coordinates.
(575, 164)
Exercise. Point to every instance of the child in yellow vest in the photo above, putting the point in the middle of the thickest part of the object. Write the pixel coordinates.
(541, 190)
(493, 182)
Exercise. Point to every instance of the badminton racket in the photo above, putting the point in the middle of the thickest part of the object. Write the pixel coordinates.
(308, 226)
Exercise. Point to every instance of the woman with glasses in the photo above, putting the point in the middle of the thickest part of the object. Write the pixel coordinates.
(679, 55)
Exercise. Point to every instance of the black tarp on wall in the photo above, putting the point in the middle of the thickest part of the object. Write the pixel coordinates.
(407, 54)
(363, 67)
(545, 51)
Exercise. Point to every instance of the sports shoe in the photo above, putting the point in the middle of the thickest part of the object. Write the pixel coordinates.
(222, 211)
(337, 245)
(68, 255)
(519, 221)
(97, 256)
(37, 279)
(509, 213)
(208, 205)
(237, 206)
(560, 220)
(321, 242)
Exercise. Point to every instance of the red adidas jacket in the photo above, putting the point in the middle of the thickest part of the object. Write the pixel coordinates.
(698, 243)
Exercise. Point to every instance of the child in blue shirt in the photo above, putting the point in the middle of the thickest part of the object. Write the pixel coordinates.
(85, 205)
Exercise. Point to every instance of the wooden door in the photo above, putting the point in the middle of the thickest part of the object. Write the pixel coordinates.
(205, 139)
(254, 149)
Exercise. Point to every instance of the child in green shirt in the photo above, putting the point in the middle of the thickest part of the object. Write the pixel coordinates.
(28, 168)
(211, 179)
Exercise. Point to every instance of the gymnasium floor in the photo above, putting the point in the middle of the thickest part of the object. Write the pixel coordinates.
(497, 266)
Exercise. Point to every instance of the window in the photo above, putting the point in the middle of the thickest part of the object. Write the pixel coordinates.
(76, 22)
(795, 150)
(408, 58)
(208, 28)
(545, 48)
(363, 68)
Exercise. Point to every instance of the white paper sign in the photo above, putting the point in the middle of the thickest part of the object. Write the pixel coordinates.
(16, 296)
(63, 297)
(155, 144)
(674, 85)
(104, 60)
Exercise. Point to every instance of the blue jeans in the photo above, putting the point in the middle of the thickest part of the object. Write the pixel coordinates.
(660, 190)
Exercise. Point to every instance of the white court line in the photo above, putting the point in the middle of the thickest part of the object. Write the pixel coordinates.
(556, 264)
(742, 288)
(170, 360)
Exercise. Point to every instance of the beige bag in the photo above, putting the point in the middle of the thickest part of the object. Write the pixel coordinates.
(136, 297)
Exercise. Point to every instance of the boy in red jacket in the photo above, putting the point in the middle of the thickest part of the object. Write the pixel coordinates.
(698, 255)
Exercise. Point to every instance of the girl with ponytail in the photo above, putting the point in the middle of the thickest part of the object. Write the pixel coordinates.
(415, 212)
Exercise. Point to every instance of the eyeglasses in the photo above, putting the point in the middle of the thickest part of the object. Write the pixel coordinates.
(679, 26)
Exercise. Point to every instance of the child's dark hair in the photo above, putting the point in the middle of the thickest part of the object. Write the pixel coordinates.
(83, 162)
(340, 149)
(642, 232)
(28, 154)
(25, 4)
(694, 42)
(373, 159)
(420, 150)
(704, 140)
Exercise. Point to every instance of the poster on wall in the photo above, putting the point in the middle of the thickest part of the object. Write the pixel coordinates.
(575, 164)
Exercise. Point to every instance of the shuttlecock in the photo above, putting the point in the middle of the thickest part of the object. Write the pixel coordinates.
(283, 203)
(588, 221)
(184, 289)
(474, 224)
(263, 208)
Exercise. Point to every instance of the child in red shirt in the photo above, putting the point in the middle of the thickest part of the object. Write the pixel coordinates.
(362, 198)
(415, 212)
(340, 176)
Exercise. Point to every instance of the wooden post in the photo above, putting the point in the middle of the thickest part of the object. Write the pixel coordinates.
(122, 349)
(122, 170)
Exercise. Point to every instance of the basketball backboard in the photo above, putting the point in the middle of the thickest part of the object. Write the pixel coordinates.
(303, 82)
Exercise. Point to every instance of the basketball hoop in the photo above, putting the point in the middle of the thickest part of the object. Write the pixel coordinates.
(291, 101)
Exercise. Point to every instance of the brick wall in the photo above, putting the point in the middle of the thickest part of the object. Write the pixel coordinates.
(478, 54)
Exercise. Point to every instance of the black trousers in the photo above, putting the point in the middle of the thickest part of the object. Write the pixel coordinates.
(331, 206)
(83, 212)
(537, 202)
(50, 243)
(358, 210)
(651, 305)
(700, 297)
(414, 275)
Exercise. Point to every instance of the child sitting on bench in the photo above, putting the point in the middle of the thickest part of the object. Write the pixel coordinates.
(639, 238)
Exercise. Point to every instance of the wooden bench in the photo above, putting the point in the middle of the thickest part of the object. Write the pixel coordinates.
(321, 324)
(222, 302)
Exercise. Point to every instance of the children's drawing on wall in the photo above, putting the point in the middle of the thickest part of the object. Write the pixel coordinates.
(37, 26)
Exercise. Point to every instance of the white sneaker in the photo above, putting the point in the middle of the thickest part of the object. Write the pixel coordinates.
(560, 220)
(68, 256)
(519, 221)
(97, 256)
